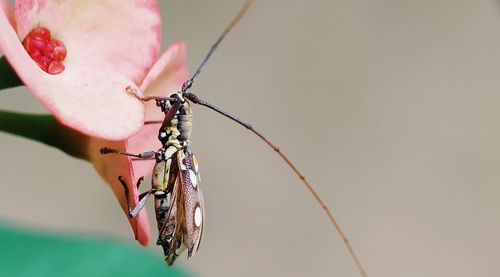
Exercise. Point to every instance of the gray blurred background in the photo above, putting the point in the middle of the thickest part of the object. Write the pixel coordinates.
(391, 108)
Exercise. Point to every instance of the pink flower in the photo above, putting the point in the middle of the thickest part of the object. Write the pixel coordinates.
(165, 77)
(108, 46)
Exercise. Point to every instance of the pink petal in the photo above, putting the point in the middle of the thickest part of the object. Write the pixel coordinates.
(5, 7)
(168, 73)
(165, 77)
(111, 45)
(125, 34)
(112, 166)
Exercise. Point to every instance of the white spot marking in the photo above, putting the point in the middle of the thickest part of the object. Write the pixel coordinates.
(193, 178)
(163, 134)
(197, 217)
(159, 192)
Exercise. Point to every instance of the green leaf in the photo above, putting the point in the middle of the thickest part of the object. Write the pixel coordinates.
(31, 253)
(8, 77)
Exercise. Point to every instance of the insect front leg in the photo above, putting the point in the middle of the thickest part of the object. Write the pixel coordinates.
(132, 91)
(143, 156)
(153, 122)
(143, 198)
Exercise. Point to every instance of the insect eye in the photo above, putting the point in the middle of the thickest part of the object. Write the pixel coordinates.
(159, 155)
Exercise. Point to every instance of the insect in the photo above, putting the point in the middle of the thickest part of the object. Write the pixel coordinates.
(175, 179)
(178, 198)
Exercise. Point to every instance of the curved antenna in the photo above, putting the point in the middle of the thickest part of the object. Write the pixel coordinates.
(229, 27)
(311, 189)
(188, 84)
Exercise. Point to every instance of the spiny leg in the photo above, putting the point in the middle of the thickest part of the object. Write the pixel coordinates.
(143, 155)
(142, 198)
(193, 98)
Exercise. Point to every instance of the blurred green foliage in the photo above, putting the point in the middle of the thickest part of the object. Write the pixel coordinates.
(31, 253)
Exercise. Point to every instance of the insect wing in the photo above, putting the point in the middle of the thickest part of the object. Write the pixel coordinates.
(166, 214)
(193, 200)
(169, 208)
(171, 234)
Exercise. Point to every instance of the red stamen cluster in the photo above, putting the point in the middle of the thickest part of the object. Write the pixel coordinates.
(48, 53)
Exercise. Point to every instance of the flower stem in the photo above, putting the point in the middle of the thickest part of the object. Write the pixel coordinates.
(8, 77)
(45, 129)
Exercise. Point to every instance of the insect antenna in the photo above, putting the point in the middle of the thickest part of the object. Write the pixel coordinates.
(325, 208)
(187, 85)
(193, 98)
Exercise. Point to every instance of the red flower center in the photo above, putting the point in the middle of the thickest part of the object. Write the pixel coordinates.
(48, 53)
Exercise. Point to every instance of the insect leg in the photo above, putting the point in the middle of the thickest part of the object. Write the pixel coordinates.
(142, 198)
(153, 122)
(132, 91)
(138, 159)
(143, 155)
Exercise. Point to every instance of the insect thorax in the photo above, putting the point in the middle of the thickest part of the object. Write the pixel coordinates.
(178, 132)
(174, 136)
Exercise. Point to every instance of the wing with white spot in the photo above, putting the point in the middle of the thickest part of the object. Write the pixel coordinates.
(193, 200)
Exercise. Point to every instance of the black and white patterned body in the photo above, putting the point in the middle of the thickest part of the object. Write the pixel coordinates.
(175, 181)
